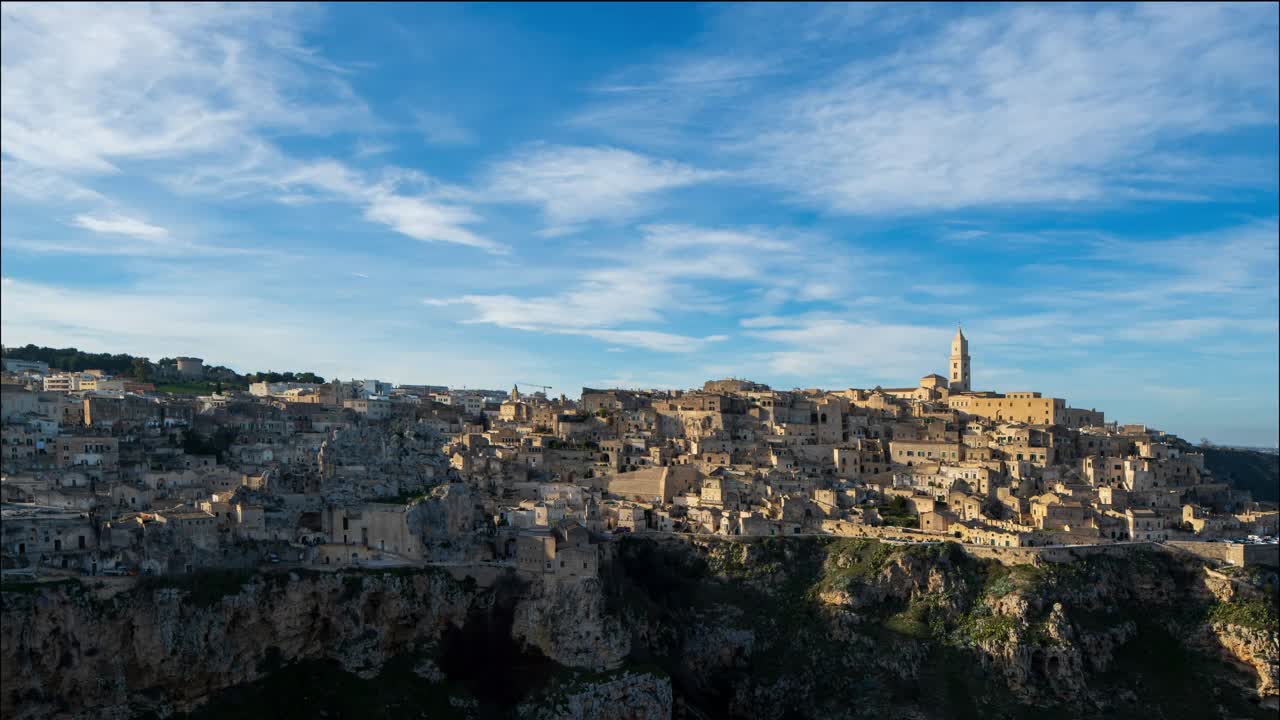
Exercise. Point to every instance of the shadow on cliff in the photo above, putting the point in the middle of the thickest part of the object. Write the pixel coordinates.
(482, 657)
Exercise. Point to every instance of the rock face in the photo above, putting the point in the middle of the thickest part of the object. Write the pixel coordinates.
(794, 627)
(68, 651)
(568, 623)
(1255, 649)
(629, 696)
(798, 628)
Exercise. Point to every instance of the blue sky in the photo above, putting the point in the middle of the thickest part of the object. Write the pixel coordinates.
(658, 195)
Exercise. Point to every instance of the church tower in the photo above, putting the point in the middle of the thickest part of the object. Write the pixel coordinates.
(959, 373)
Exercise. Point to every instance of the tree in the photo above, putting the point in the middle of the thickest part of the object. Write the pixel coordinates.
(217, 387)
(140, 369)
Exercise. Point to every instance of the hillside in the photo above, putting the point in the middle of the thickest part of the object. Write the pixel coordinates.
(74, 360)
(1250, 470)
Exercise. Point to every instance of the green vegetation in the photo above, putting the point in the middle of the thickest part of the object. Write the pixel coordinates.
(852, 559)
(352, 586)
(1266, 579)
(31, 587)
(902, 521)
(981, 626)
(141, 368)
(189, 388)
(1257, 472)
(73, 360)
(322, 688)
(204, 588)
(195, 443)
(921, 620)
(1255, 613)
(1172, 681)
(275, 377)
(403, 498)
(897, 512)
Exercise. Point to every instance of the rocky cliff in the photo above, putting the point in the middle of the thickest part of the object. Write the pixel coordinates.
(798, 628)
(568, 623)
(685, 628)
(167, 646)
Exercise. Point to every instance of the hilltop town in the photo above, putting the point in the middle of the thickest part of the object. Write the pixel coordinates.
(110, 476)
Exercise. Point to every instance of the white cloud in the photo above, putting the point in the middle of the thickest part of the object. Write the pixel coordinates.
(821, 344)
(88, 87)
(368, 148)
(90, 90)
(442, 129)
(677, 237)
(662, 276)
(1184, 329)
(121, 225)
(428, 215)
(21, 179)
(999, 105)
(127, 237)
(648, 339)
(763, 321)
(1022, 105)
(219, 321)
(577, 184)
(425, 220)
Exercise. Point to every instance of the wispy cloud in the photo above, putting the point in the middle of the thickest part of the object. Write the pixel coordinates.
(223, 323)
(126, 236)
(911, 130)
(577, 184)
(820, 344)
(121, 225)
(33, 183)
(442, 129)
(993, 106)
(641, 286)
(407, 201)
(87, 88)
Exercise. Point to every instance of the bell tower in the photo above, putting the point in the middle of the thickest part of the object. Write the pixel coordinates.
(958, 374)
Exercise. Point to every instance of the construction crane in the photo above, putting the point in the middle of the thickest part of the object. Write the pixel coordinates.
(544, 388)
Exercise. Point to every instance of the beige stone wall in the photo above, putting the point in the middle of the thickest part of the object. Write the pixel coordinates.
(1230, 553)
(1059, 554)
(1031, 410)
